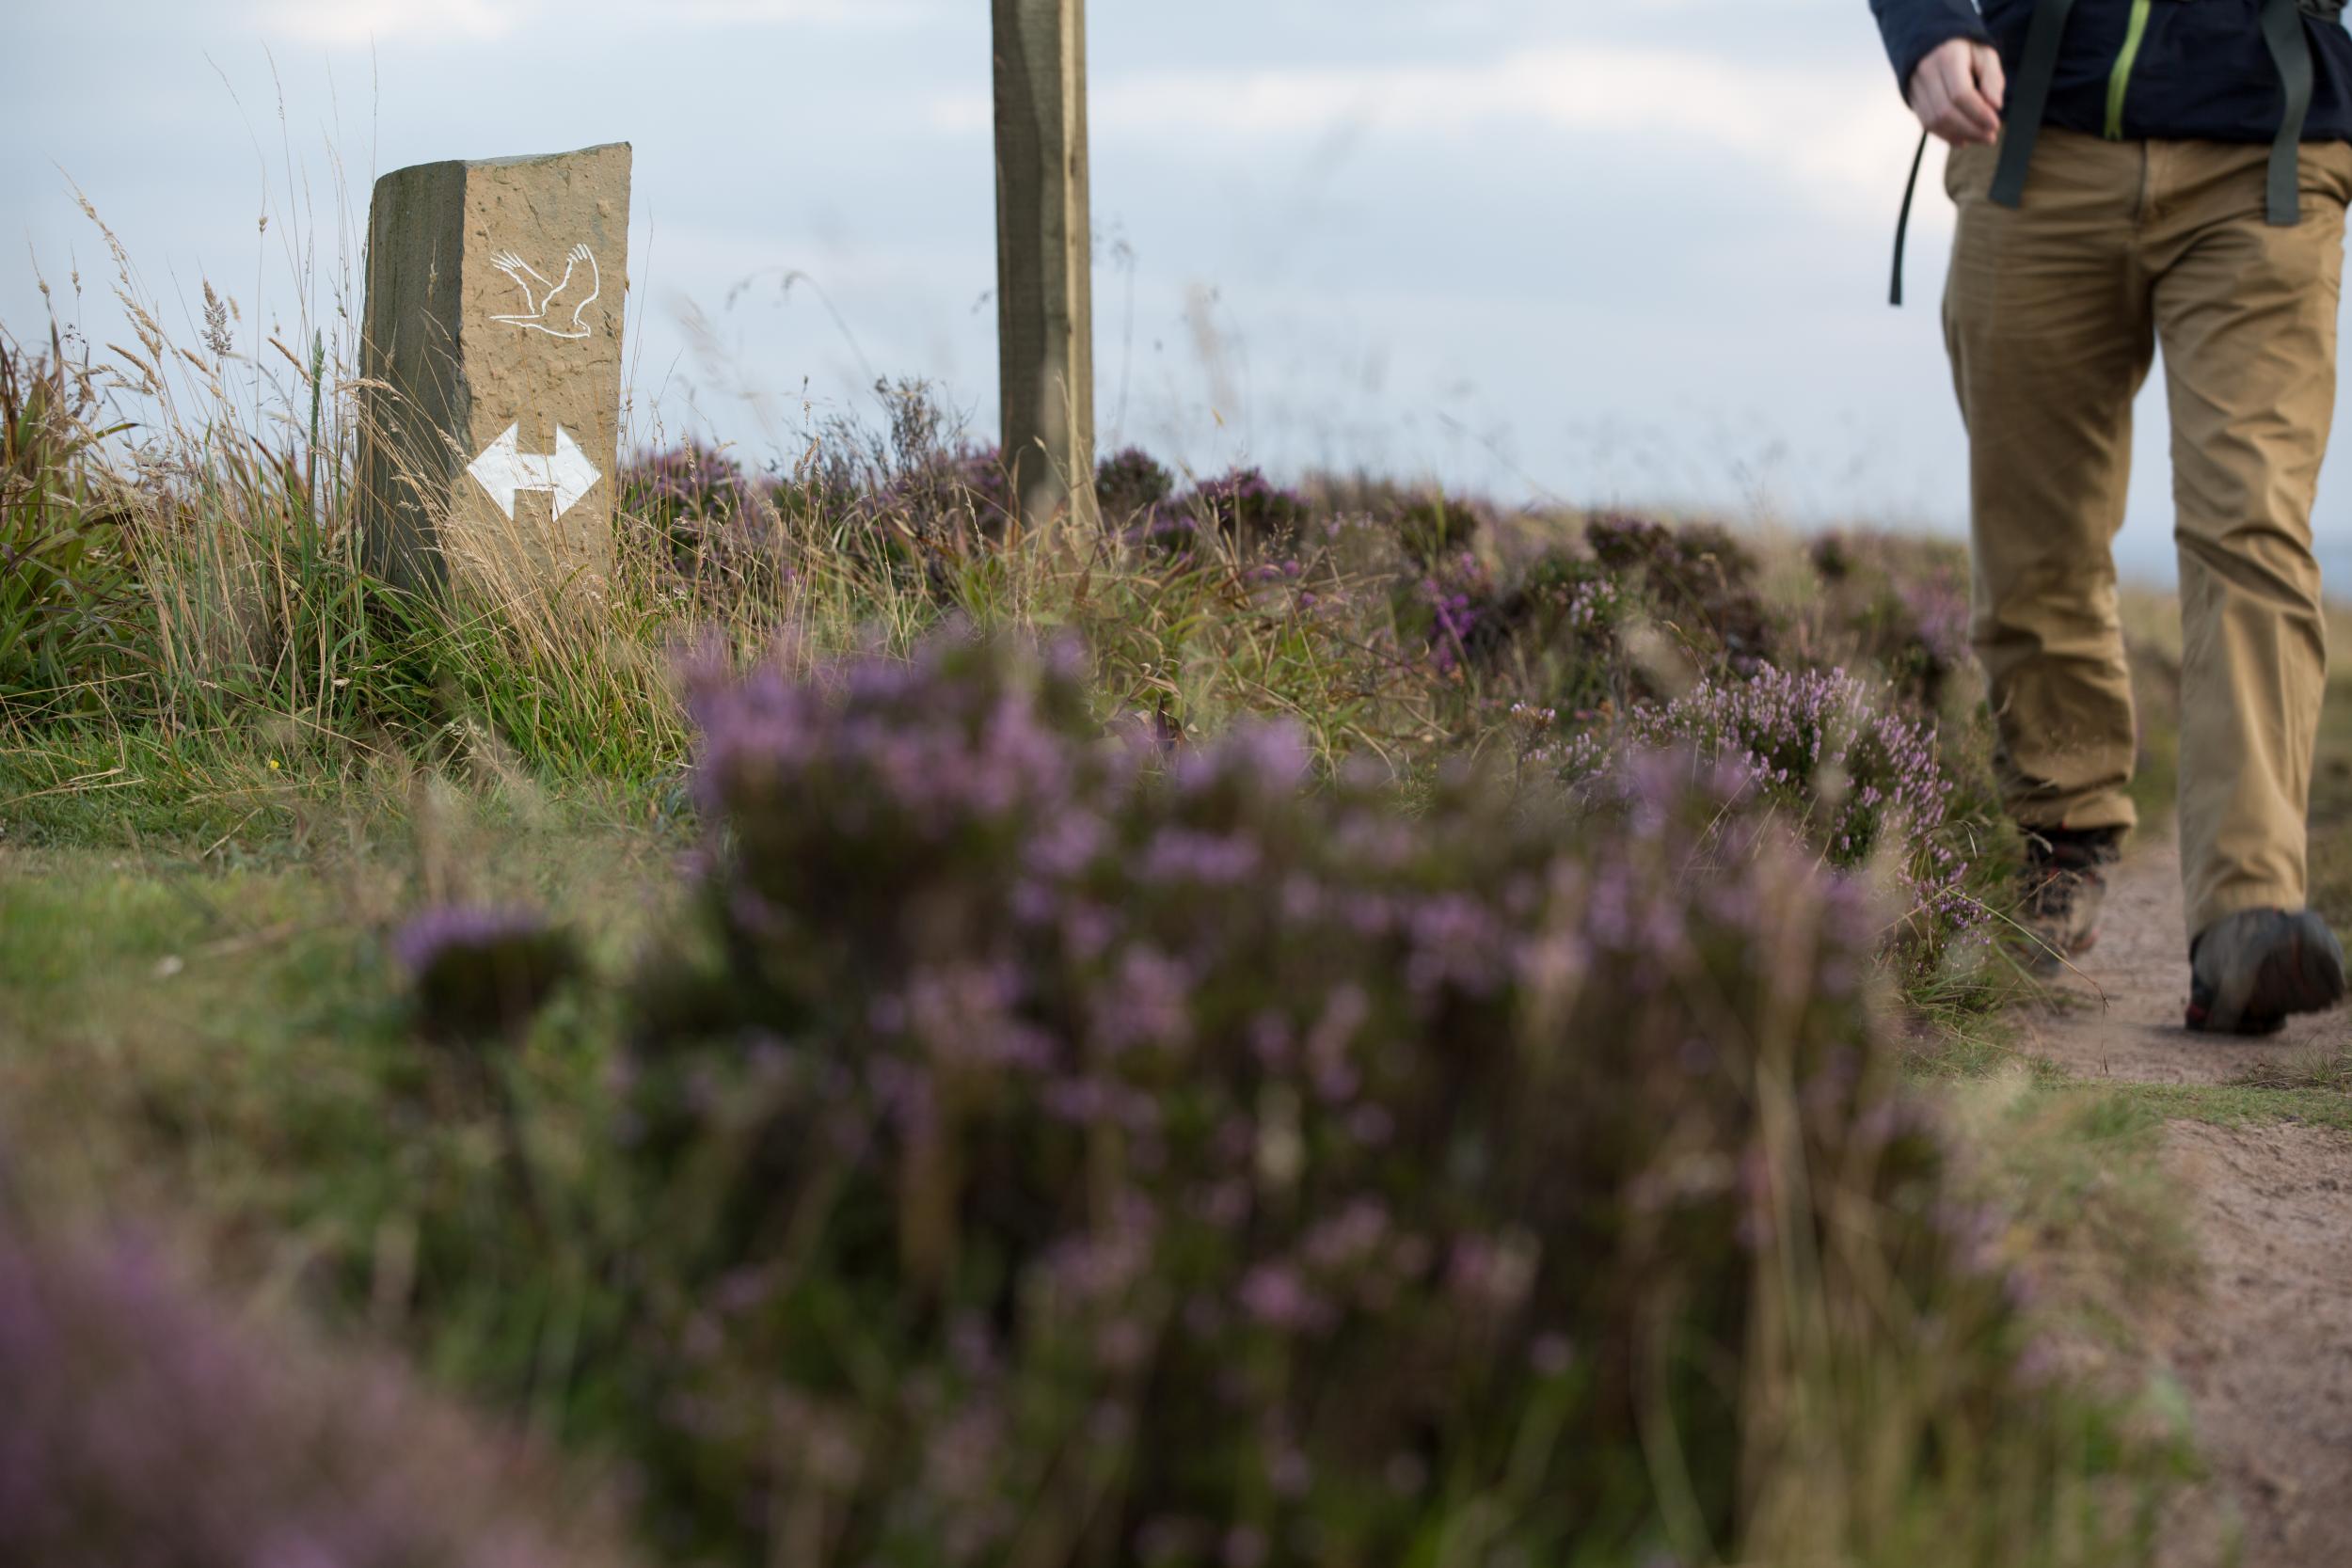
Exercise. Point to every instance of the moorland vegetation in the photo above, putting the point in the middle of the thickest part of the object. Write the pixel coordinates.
(1321, 1024)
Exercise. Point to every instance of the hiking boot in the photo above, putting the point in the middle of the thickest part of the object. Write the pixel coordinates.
(2250, 969)
(2065, 883)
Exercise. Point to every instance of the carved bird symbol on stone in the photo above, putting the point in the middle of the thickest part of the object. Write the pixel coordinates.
(539, 310)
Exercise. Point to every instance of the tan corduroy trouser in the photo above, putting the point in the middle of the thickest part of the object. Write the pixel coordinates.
(2053, 313)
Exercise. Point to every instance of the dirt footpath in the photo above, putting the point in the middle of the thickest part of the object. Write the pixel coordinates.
(2266, 1353)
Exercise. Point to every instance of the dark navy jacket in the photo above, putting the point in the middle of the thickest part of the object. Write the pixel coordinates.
(2199, 70)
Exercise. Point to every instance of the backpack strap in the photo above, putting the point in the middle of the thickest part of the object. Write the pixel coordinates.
(2035, 70)
(2291, 51)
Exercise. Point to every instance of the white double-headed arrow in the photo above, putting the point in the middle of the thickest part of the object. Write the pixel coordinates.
(503, 470)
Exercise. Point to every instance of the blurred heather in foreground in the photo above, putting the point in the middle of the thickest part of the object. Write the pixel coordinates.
(143, 1426)
(479, 973)
(1221, 1144)
(1060, 1160)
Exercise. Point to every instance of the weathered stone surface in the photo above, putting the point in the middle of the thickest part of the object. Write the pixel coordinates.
(492, 352)
(1044, 258)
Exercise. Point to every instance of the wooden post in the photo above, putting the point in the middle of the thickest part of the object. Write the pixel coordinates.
(1045, 258)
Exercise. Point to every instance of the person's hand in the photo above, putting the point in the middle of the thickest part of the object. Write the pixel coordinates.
(1957, 92)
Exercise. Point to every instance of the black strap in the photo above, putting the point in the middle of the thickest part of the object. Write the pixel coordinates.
(2290, 50)
(1902, 224)
(2022, 125)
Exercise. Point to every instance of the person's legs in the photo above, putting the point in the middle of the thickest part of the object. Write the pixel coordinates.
(2247, 316)
(2046, 319)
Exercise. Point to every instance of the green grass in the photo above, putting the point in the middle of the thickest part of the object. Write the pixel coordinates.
(2080, 1170)
(131, 787)
(2242, 1104)
(2156, 699)
(1971, 1047)
(224, 1038)
(2332, 810)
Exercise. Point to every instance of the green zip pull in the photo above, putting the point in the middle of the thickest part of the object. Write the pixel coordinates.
(2120, 80)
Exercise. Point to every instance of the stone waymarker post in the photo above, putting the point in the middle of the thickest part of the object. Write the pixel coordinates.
(490, 417)
(1044, 258)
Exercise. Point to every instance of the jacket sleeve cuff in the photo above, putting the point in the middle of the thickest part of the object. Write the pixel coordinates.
(1915, 30)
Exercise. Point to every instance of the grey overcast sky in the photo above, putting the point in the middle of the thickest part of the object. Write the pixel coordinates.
(1612, 251)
